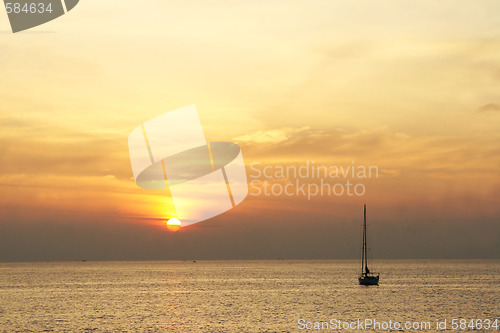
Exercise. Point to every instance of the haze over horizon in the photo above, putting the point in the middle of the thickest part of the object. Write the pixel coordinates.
(411, 88)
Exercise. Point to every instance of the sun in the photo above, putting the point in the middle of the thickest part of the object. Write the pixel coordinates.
(174, 224)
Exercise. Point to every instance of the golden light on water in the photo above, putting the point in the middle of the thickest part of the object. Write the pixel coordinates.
(174, 224)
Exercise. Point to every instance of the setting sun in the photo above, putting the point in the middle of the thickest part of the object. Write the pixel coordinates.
(173, 224)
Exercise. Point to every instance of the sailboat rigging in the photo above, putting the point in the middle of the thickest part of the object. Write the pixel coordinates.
(366, 278)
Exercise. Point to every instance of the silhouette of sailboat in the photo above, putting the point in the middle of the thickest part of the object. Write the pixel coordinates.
(366, 278)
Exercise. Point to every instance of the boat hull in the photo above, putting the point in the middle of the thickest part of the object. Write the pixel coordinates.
(367, 280)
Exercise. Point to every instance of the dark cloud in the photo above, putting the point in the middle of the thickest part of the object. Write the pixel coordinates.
(383, 147)
(491, 107)
(238, 235)
(33, 147)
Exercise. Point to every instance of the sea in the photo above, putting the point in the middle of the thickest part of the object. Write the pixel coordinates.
(250, 296)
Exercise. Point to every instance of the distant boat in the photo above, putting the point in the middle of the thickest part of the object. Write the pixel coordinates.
(366, 278)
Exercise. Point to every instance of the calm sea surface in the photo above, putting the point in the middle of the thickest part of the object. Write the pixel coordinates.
(241, 296)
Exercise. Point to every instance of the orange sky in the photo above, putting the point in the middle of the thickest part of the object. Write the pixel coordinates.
(412, 88)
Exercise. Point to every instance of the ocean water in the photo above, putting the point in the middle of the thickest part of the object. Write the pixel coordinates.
(244, 296)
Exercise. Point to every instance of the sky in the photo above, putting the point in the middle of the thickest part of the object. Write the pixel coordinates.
(409, 87)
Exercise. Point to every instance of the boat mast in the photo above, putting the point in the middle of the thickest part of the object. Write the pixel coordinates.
(365, 250)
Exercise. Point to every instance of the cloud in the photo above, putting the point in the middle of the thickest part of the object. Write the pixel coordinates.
(491, 107)
(273, 136)
(32, 147)
(393, 152)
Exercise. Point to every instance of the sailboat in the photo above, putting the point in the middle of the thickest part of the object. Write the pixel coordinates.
(366, 278)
